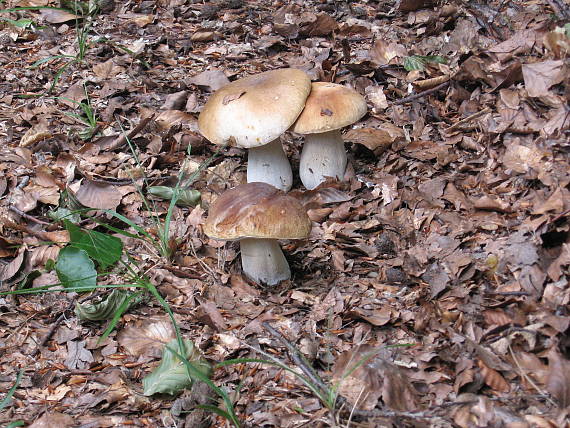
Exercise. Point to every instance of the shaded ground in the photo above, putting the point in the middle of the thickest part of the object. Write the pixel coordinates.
(450, 237)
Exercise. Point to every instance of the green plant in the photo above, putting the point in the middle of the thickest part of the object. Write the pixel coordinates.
(6, 400)
(88, 118)
(86, 11)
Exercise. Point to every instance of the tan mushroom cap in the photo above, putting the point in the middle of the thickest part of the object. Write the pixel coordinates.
(255, 110)
(257, 210)
(330, 106)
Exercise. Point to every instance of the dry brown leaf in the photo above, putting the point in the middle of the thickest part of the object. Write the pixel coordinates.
(11, 269)
(558, 380)
(98, 195)
(212, 79)
(209, 314)
(107, 69)
(205, 36)
(146, 337)
(496, 317)
(493, 378)
(373, 377)
(35, 134)
(376, 95)
(376, 140)
(53, 419)
(57, 16)
(540, 76)
(322, 25)
(558, 42)
(40, 255)
(169, 118)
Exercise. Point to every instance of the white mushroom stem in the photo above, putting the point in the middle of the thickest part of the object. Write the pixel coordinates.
(263, 261)
(269, 164)
(323, 156)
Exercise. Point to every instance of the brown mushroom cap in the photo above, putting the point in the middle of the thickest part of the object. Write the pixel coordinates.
(255, 110)
(330, 106)
(257, 210)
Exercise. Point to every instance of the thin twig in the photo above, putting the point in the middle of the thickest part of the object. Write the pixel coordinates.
(122, 139)
(53, 328)
(421, 94)
(468, 119)
(528, 379)
(28, 216)
(60, 319)
(297, 357)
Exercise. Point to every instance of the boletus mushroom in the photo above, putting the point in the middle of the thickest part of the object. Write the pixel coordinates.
(253, 113)
(329, 108)
(257, 215)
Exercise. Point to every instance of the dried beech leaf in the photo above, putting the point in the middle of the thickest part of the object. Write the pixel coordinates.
(558, 380)
(98, 195)
(40, 255)
(363, 377)
(11, 269)
(147, 338)
(493, 378)
(496, 317)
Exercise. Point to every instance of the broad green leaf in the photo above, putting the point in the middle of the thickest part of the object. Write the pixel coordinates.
(104, 249)
(171, 376)
(75, 269)
(105, 309)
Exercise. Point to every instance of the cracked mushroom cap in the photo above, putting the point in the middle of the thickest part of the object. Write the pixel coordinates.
(257, 210)
(330, 106)
(255, 110)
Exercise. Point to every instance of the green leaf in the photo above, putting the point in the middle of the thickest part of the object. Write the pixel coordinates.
(75, 269)
(6, 400)
(20, 23)
(171, 376)
(64, 213)
(104, 249)
(28, 278)
(105, 309)
(417, 62)
(186, 197)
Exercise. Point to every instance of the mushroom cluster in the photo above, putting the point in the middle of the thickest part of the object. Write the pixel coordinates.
(253, 113)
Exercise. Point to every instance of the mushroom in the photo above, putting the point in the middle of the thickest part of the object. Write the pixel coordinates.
(258, 214)
(329, 107)
(252, 113)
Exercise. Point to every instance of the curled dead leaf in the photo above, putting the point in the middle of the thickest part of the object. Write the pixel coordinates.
(376, 140)
(363, 377)
(558, 380)
(493, 378)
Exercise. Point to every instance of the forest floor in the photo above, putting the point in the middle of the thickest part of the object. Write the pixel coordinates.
(440, 263)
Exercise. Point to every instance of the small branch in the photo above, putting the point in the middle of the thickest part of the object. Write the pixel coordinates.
(28, 216)
(60, 319)
(52, 329)
(421, 94)
(122, 139)
(468, 119)
(297, 358)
